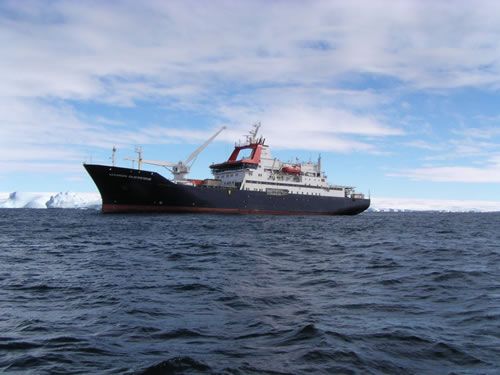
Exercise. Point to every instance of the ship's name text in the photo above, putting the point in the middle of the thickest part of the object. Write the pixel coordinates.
(130, 176)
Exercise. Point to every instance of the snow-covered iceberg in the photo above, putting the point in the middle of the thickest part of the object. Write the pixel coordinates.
(25, 200)
(74, 200)
(49, 200)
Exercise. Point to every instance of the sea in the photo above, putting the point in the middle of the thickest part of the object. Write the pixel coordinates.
(377, 293)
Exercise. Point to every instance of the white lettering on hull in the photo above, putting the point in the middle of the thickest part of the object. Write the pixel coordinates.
(130, 177)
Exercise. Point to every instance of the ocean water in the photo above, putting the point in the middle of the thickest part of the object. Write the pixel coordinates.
(377, 293)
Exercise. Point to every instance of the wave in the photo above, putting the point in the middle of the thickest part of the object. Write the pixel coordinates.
(178, 365)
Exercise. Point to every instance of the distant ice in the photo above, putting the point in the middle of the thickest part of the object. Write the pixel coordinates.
(444, 205)
(50, 200)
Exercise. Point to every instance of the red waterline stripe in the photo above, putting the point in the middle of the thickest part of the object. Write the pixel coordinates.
(117, 208)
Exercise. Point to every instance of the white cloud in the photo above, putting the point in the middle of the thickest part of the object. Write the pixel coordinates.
(489, 173)
(483, 133)
(84, 50)
(423, 145)
(309, 128)
(280, 63)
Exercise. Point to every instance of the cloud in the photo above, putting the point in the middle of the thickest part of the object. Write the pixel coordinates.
(420, 144)
(301, 70)
(85, 50)
(123, 51)
(37, 135)
(454, 174)
(489, 173)
(468, 157)
(482, 133)
(309, 127)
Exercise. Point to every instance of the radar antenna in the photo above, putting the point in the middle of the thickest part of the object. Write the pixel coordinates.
(252, 137)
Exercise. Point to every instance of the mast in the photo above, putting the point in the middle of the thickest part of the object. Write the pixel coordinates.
(138, 150)
(252, 137)
(113, 155)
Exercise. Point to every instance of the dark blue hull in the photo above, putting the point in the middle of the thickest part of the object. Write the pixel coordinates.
(131, 190)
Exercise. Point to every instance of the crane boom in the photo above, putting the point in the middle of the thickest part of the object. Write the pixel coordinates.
(196, 152)
(160, 163)
(179, 169)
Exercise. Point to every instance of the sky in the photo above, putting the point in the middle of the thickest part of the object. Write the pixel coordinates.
(401, 98)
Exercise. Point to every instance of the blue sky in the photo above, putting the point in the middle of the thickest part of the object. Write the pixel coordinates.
(400, 98)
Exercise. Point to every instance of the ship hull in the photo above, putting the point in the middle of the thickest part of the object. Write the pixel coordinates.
(131, 190)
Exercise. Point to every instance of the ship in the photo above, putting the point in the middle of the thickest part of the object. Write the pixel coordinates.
(250, 181)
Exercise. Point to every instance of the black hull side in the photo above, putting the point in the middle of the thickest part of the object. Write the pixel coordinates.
(131, 190)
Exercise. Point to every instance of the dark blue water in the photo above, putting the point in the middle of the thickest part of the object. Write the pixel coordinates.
(82, 292)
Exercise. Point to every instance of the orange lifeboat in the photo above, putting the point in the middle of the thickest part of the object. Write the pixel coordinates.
(291, 169)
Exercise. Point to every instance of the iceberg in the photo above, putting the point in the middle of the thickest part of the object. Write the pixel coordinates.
(25, 200)
(74, 200)
(50, 200)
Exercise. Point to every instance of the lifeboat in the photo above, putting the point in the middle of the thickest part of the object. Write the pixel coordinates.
(291, 169)
(195, 182)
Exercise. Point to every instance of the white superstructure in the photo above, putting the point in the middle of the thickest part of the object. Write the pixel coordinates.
(261, 172)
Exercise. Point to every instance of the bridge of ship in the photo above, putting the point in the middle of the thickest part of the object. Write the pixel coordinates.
(233, 162)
